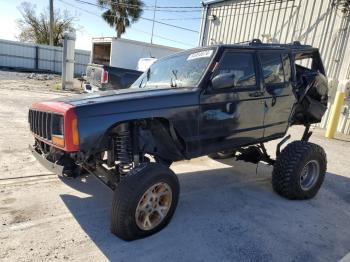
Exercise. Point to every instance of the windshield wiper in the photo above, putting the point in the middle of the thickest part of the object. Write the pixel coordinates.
(147, 78)
(140, 85)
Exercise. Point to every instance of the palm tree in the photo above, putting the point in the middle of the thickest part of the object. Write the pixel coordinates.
(121, 13)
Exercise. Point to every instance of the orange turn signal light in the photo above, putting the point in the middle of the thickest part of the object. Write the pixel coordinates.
(75, 132)
(58, 140)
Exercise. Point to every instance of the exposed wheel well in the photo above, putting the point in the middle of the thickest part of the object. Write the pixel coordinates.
(155, 136)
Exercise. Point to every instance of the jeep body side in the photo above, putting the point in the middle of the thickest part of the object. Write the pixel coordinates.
(190, 104)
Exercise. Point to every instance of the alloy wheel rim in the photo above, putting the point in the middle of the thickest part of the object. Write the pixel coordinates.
(153, 206)
(309, 175)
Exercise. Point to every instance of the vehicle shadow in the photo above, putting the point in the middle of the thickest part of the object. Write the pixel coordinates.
(227, 214)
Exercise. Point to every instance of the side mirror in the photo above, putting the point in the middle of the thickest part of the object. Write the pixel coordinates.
(225, 80)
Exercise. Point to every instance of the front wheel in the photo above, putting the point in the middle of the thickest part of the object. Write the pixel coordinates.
(299, 170)
(144, 201)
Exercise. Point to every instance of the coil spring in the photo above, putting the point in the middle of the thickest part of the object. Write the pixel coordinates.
(124, 151)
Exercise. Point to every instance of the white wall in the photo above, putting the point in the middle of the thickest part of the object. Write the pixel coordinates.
(39, 57)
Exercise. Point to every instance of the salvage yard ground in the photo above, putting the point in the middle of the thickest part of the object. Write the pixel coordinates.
(226, 212)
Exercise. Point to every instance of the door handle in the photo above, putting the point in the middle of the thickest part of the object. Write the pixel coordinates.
(266, 107)
(256, 94)
(228, 107)
(273, 101)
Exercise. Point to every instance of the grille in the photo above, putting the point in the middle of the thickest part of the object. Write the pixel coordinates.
(41, 123)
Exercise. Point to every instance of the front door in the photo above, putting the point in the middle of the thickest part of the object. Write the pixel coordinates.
(279, 97)
(233, 116)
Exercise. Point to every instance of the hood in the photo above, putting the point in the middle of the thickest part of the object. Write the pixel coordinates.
(131, 100)
(120, 95)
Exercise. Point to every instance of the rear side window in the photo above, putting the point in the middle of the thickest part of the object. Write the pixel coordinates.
(241, 65)
(305, 62)
(272, 68)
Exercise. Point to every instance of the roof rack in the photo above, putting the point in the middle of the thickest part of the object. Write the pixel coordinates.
(257, 41)
(242, 43)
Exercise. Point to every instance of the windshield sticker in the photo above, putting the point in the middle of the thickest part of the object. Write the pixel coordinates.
(201, 54)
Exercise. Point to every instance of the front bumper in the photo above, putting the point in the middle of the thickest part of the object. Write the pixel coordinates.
(52, 167)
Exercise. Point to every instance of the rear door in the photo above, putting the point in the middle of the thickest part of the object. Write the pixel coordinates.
(276, 72)
(231, 117)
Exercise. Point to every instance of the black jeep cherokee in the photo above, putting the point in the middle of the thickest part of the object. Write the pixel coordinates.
(222, 101)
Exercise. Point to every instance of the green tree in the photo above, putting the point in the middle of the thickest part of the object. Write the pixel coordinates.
(35, 27)
(121, 13)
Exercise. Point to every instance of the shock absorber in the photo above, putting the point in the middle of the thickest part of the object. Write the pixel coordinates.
(124, 151)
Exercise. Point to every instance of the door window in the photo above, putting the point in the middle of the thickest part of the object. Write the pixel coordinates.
(241, 66)
(272, 68)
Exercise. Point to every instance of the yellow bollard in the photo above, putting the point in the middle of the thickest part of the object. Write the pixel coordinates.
(335, 111)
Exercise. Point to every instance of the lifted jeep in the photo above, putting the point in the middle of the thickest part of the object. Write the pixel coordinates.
(223, 100)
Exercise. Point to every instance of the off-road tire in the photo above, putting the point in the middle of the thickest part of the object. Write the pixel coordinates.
(128, 194)
(222, 155)
(289, 166)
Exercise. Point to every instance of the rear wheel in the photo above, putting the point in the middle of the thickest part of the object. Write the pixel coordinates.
(299, 170)
(144, 201)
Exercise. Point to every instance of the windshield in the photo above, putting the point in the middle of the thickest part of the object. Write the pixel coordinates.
(182, 70)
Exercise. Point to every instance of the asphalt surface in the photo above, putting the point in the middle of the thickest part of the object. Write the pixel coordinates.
(227, 210)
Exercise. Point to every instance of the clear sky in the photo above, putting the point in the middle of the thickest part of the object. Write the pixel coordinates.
(93, 26)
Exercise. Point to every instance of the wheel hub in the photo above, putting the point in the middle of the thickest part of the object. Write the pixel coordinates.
(153, 206)
(309, 175)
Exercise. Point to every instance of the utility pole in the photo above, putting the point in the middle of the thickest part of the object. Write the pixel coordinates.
(51, 23)
(68, 60)
(154, 16)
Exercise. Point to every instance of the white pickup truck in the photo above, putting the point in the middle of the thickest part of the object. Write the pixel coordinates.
(116, 62)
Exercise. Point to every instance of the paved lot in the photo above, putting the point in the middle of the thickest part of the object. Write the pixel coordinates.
(226, 212)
